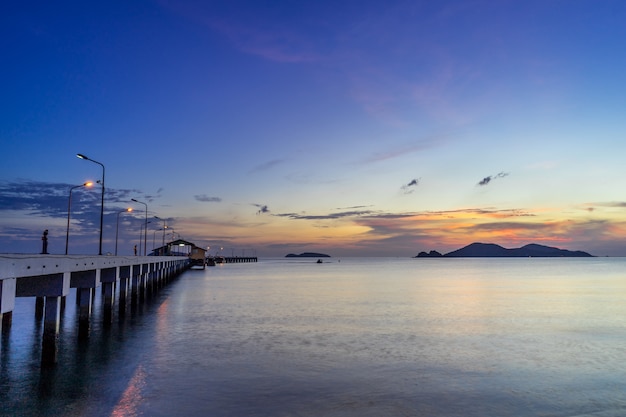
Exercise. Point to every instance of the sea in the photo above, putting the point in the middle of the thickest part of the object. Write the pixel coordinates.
(347, 337)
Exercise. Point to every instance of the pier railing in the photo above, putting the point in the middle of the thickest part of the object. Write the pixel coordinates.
(212, 260)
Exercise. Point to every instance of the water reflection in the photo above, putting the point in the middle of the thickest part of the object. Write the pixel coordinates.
(85, 366)
(353, 338)
(132, 397)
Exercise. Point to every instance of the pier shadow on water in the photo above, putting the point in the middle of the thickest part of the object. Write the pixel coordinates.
(88, 359)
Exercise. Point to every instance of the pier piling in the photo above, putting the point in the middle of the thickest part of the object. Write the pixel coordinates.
(51, 320)
(39, 305)
(49, 278)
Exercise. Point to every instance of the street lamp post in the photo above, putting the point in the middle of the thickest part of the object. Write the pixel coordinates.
(81, 156)
(117, 225)
(140, 233)
(69, 208)
(154, 238)
(164, 227)
(145, 234)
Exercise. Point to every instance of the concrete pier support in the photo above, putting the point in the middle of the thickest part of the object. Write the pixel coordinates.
(147, 281)
(6, 319)
(49, 345)
(160, 275)
(108, 277)
(7, 303)
(52, 287)
(108, 295)
(84, 311)
(124, 275)
(151, 283)
(39, 305)
(85, 283)
(135, 284)
(143, 278)
(48, 278)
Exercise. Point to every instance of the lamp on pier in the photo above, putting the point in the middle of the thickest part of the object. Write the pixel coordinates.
(69, 209)
(164, 227)
(81, 156)
(145, 234)
(117, 224)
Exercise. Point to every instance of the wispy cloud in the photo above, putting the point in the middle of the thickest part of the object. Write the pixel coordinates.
(266, 166)
(615, 204)
(45, 205)
(403, 150)
(257, 35)
(329, 216)
(263, 208)
(591, 207)
(490, 178)
(352, 207)
(51, 199)
(410, 186)
(207, 199)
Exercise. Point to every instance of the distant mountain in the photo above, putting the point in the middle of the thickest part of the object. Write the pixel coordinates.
(431, 254)
(307, 255)
(490, 250)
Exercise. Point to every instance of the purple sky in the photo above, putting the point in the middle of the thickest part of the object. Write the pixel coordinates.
(351, 128)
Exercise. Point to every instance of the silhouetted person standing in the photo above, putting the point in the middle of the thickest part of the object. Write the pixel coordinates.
(44, 242)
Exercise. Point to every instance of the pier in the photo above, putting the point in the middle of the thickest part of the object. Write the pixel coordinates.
(48, 279)
(238, 259)
(212, 260)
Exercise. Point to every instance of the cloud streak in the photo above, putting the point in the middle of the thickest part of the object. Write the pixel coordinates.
(330, 216)
(262, 208)
(207, 199)
(410, 187)
(266, 166)
(490, 178)
(400, 151)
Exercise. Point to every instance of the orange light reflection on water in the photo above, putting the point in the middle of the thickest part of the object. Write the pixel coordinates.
(128, 405)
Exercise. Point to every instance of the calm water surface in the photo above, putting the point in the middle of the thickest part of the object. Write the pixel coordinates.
(350, 337)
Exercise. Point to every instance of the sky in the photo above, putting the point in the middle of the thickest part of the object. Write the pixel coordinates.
(352, 128)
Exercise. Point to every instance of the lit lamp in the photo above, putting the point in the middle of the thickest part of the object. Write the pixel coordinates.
(140, 233)
(117, 224)
(164, 227)
(145, 233)
(69, 208)
(81, 156)
(154, 238)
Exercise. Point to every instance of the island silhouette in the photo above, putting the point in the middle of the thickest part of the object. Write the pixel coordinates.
(491, 250)
(307, 255)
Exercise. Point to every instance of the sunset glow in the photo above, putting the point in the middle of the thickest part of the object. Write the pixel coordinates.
(354, 129)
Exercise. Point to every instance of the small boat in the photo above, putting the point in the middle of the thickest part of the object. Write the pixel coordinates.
(319, 261)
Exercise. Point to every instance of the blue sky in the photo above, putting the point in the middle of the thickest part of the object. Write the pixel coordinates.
(351, 128)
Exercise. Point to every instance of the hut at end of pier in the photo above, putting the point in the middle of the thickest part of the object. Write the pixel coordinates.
(181, 247)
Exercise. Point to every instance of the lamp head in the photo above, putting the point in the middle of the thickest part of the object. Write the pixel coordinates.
(88, 184)
(81, 156)
(129, 209)
(132, 199)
